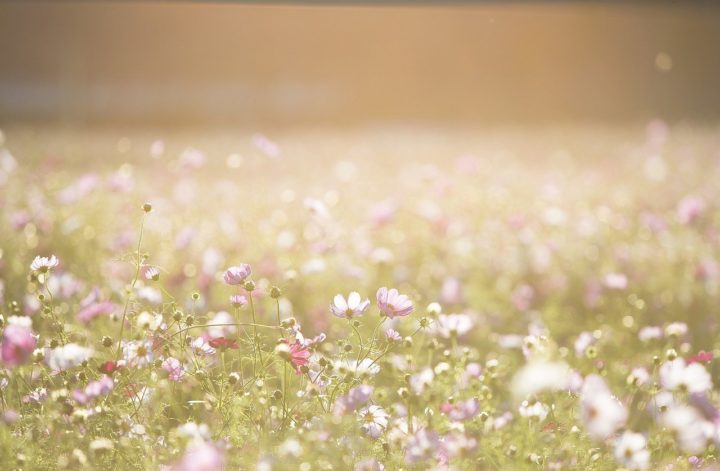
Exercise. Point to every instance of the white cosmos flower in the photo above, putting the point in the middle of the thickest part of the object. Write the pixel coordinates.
(539, 375)
(44, 264)
(138, 353)
(366, 367)
(536, 410)
(631, 451)
(373, 420)
(67, 356)
(602, 413)
(354, 306)
(150, 321)
(693, 378)
(691, 429)
(449, 325)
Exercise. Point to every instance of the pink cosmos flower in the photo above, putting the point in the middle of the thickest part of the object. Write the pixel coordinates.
(174, 368)
(18, 344)
(91, 311)
(298, 355)
(237, 275)
(392, 303)
(461, 410)
(201, 456)
(238, 300)
(393, 335)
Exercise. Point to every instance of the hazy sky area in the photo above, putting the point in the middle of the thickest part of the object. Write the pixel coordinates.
(168, 63)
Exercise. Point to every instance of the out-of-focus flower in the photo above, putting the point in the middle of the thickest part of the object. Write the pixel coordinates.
(393, 335)
(44, 264)
(676, 329)
(584, 340)
(221, 325)
(149, 321)
(602, 413)
(461, 410)
(690, 208)
(95, 309)
(616, 281)
(692, 378)
(535, 410)
(539, 375)
(373, 420)
(266, 146)
(392, 303)
(355, 398)
(421, 446)
(691, 430)
(67, 356)
(631, 451)
(94, 389)
(651, 332)
(223, 343)
(201, 456)
(354, 306)
(18, 343)
(238, 300)
(174, 368)
(365, 367)
(452, 325)
(236, 275)
(700, 357)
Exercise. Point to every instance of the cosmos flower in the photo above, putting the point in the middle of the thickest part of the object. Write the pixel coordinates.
(393, 335)
(18, 343)
(223, 343)
(44, 264)
(677, 375)
(461, 410)
(691, 429)
(392, 303)
(353, 307)
(601, 412)
(373, 420)
(535, 410)
(631, 451)
(151, 273)
(201, 347)
(138, 353)
(452, 325)
(174, 368)
(238, 300)
(540, 375)
(355, 398)
(296, 353)
(201, 456)
(236, 275)
(67, 356)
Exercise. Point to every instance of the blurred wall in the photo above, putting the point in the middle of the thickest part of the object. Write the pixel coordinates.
(228, 63)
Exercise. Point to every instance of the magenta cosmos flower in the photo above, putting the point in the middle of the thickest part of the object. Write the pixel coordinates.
(236, 275)
(18, 344)
(297, 354)
(392, 303)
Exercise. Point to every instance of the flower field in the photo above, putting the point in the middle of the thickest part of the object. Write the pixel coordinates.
(365, 299)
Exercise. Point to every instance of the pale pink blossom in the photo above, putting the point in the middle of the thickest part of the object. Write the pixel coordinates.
(18, 343)
(236, 275)
(392, 303)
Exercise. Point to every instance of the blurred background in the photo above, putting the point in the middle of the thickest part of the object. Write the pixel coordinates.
(184, 63)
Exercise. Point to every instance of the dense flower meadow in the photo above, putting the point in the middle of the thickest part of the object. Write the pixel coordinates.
(381, 300)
